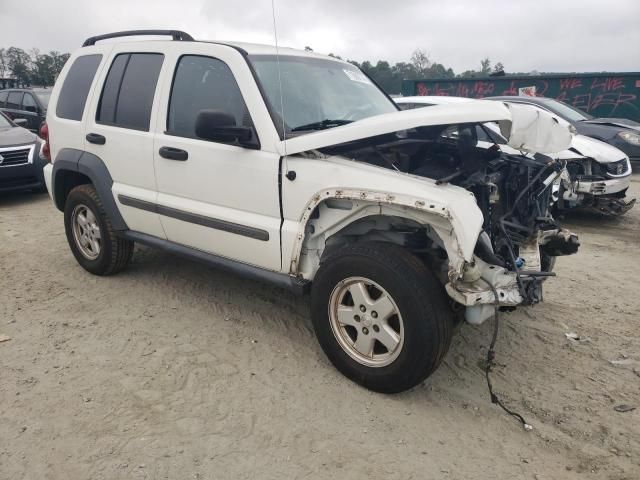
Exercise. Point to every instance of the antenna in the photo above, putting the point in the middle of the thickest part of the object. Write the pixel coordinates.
(275, 36)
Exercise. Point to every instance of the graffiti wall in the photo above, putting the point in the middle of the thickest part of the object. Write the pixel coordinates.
(601, 95)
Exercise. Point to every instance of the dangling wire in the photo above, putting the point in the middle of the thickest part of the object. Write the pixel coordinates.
(491, 355)
(275, 35)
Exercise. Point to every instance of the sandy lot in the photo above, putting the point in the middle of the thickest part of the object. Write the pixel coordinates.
(171, 370)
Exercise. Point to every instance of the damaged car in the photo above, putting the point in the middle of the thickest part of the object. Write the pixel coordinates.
(598, 174)
(621, 133)
(294, 168)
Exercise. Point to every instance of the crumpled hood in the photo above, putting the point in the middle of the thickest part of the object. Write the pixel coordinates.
(601, 152)
(615, 122)
(15, 136)
(526, 128)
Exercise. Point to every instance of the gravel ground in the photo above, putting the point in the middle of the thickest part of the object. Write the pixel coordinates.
(173, 370)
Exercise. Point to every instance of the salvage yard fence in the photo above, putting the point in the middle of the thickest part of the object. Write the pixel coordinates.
(599, 94)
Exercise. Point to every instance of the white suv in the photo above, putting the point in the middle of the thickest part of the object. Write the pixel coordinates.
(295, 168)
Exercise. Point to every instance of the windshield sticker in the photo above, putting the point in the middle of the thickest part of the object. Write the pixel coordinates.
(356, 76)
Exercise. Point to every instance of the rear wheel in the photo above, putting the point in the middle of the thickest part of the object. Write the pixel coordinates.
(380, 316)
(90, 234)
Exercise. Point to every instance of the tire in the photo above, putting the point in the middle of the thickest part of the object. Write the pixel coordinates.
(99, 251)
(423, 323)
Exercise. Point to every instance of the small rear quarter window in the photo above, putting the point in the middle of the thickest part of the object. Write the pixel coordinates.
(76, 86)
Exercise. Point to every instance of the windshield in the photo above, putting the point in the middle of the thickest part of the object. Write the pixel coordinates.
(4, 123)
(44, 98)
(317, 93)
(572, 114)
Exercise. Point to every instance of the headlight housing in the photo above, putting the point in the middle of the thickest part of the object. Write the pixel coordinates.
(630, 137)
(620, 168)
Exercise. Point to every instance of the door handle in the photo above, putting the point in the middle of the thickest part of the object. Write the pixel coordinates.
(171, 153)
(96, 138)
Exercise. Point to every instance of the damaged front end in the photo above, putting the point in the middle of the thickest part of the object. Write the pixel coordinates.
(516, 250)
(598, 178)
(519, 238)
(600, 188)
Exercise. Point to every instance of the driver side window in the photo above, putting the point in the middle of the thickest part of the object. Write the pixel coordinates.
(203, 83)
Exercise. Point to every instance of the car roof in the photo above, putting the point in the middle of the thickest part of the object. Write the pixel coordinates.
(432, 100)
(263, 49)
(244, 47)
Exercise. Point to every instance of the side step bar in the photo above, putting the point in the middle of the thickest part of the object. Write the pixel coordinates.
(294, 284)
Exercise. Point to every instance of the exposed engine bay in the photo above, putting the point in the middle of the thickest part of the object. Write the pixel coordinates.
(513, 192)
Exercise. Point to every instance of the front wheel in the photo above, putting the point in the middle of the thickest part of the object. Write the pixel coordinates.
(380, 316)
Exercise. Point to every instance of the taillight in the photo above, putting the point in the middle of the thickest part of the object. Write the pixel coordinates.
(45, 151)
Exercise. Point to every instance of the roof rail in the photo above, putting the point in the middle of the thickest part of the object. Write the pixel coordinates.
(175, 34)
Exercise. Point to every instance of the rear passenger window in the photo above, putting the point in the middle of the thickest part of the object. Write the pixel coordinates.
(203, 83)
(3, 98)
(75, 89)
(127, 95)
(14, 100)
(28, 103)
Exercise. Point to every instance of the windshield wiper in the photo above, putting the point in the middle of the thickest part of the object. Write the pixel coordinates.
(322, 125)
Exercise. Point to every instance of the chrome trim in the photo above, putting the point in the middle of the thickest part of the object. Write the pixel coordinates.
(29, 161)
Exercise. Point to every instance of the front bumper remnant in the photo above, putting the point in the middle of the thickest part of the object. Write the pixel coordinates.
(612, 206)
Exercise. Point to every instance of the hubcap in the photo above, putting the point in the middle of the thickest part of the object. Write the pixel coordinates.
(366, 322)
(86, 231)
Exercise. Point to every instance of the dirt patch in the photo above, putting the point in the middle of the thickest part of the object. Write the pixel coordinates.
(173, 370)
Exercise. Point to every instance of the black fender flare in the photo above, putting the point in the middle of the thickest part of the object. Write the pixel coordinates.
(92, 166)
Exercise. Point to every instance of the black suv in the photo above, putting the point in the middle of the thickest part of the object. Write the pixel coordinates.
(28, 103)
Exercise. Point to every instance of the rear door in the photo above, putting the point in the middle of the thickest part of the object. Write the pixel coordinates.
(220, 197)
(117, 130)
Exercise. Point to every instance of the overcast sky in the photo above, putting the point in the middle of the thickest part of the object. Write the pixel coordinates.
(543, 35)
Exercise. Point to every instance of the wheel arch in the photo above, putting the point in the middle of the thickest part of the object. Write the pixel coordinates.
(336, 216)
(74, 167)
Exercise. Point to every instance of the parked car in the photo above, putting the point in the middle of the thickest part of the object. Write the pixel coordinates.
(598, 174)
(621, 133)
(186, 146)
(20, 162)
(26, 103)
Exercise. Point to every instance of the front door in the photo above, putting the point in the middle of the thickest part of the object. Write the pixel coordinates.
(215, 195)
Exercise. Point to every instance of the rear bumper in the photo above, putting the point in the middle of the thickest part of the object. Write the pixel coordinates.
(47, 172)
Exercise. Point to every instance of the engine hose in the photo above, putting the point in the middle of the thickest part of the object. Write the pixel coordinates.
(491, 355)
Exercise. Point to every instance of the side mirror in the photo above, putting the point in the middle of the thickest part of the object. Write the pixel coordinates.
(220, 126)
(30, 108)
(21, 122)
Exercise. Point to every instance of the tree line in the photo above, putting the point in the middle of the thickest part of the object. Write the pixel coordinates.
(419, 66)
(31, 68)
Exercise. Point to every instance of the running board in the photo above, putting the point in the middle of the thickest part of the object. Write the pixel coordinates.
(294, 284)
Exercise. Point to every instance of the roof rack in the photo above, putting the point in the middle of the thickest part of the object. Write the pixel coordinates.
(175, 34)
